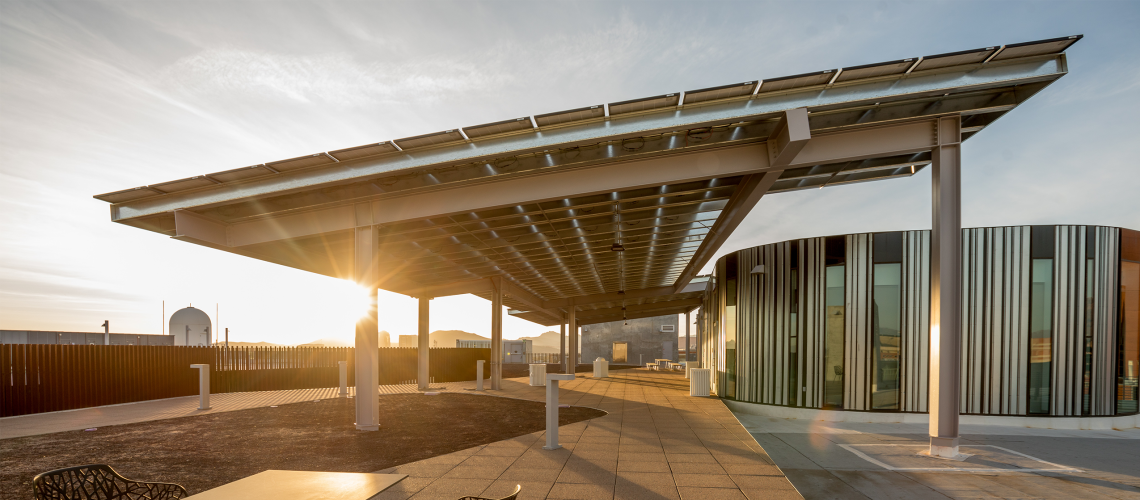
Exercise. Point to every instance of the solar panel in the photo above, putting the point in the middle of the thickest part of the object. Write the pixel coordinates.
(238, 174)
(1050, 46)
(955, 58)
(568, 116)
(363, 151)
(722, 92)
(432, 139)
(502, 127)
(126, 195)
(796, 81)
(872, 70)
(300, 162)
(184, 184)
(645, 103)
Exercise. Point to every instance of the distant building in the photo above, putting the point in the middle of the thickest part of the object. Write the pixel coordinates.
(633, 342)
(472, 344)
(80, 338)
(190, 326)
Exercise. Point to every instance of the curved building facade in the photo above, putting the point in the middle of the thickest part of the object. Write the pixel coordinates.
(1050, 322)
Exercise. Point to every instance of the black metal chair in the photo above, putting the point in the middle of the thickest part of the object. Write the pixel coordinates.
(99, 482)
(512, 496)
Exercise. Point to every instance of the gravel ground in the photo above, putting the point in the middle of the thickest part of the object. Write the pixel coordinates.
(210, 450)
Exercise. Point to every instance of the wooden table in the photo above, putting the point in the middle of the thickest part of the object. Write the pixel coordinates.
(303, 485)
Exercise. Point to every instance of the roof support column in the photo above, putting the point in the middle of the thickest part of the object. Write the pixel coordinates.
(562, 344)
(945, 288)
(687, 337)
(367, 334)
(497, 333)
(424, 343)
(572, 348)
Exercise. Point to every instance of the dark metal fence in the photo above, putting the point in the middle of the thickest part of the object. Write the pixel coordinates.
(43, 378)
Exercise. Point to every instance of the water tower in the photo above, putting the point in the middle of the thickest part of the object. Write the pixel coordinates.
(190, 326)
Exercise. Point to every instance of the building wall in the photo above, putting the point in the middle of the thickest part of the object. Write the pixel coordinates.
(1039, 322)
(80, 338)
(646, 340)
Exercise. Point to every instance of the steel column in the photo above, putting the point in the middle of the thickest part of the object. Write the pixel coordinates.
(572, 348)
(687, 337)
(562, 344)
(497, 334)
(945, 288)
(424, 343)
(367, 331)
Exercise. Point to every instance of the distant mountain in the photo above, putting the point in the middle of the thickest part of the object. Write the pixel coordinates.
(326, 343)
(547, 339)
(447, 338)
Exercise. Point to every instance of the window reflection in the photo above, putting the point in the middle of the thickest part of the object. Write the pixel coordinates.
(886, 320)
(1128, 351)
(1040, 317)
(730, 326)
(833, 342)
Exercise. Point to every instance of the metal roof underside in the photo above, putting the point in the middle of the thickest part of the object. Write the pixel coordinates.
(563, 247)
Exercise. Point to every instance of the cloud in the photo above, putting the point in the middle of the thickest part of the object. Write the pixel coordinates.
(329, 78)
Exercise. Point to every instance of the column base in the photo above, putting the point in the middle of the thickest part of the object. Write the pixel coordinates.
(367, 427)
(944, 447)
(554, 448)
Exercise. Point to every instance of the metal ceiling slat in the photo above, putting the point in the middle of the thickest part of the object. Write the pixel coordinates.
(432, 139)
(300, 162)
(795, 81)
(1037, 48)
(720, 92)
(364, 151)
(954, 59)
(569, 116)
(644, 104)
(242, 173)
(874, 70)
(503, 127)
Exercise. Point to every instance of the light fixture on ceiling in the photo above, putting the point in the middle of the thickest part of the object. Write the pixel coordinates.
(617, 247)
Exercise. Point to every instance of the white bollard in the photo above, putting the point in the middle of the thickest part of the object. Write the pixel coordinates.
(601, 368)
(203, 386)
(700, 382)
(479, 375)
(343, 378)
(688, 366)
(538, 374)
(552, 409)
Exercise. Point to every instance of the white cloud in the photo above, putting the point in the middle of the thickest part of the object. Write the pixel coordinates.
(321, 79)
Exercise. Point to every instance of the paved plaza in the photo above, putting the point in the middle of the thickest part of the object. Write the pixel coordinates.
(656, 442)
(863, 460)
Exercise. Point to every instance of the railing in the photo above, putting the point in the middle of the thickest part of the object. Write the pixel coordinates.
(37, 378)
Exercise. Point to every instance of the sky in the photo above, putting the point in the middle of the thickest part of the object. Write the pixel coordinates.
(101, 96)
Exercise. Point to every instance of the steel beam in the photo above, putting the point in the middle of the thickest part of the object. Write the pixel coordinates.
(945, 288)
(751, 190)
(587, 315)
(423, 341)
(367, 334)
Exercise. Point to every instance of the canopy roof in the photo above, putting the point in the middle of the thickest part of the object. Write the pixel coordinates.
(608, 209)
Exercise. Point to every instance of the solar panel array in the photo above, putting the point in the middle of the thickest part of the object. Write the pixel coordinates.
(676, 100)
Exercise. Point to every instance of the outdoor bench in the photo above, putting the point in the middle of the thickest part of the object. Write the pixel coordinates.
(99, 481)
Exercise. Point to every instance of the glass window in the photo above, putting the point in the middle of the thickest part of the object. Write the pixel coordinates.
(833, 343)
(886, 341)
(730, 326)
(1128, 348)
(794, 389)
(1040, 334)
(1090, 315)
